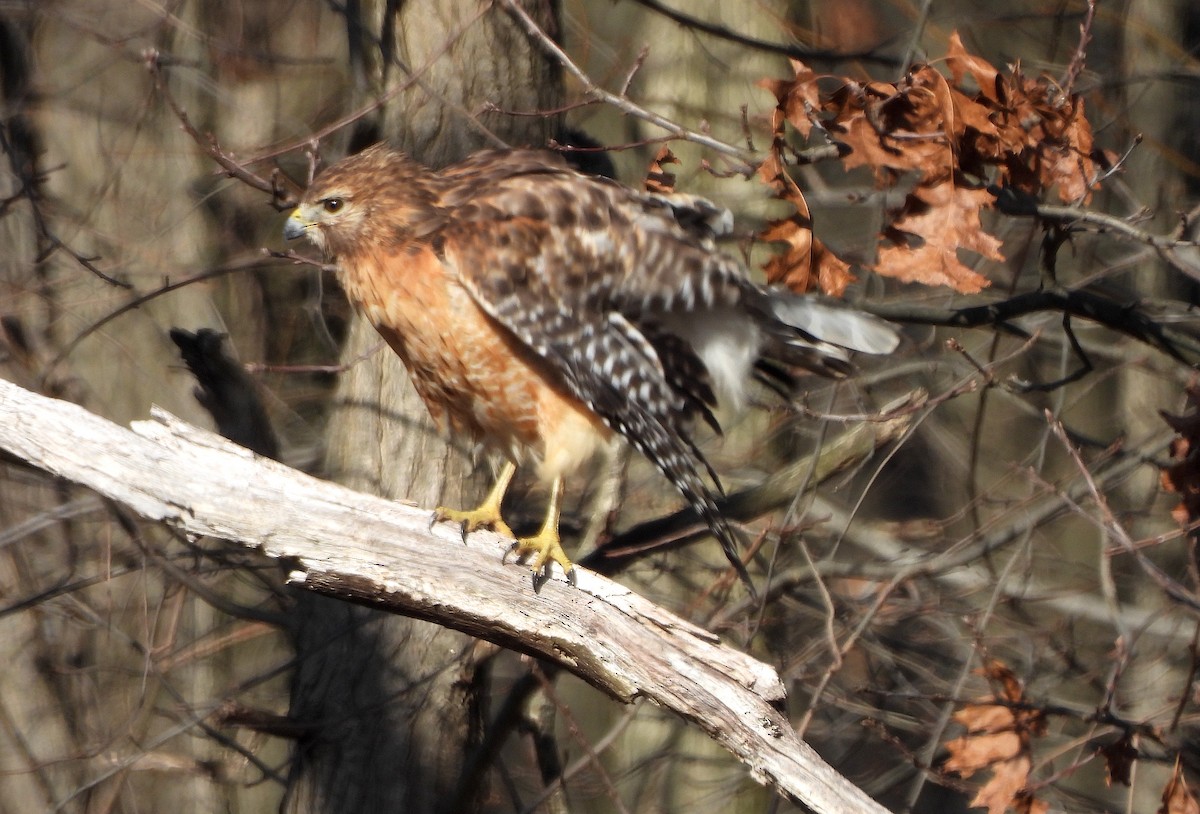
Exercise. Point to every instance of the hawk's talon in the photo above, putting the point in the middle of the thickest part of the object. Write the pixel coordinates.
(542, 550)
(486, 516)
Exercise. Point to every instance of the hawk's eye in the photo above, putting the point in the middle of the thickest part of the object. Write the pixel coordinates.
(333, 204)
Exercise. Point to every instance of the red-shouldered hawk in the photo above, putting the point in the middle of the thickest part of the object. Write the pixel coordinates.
(541, 310)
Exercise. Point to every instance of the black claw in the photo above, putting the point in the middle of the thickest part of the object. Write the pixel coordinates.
(504, 559)
(540, 578)
(571, 578)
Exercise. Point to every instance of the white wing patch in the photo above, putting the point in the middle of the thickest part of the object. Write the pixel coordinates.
(728, 341)
(836, 325)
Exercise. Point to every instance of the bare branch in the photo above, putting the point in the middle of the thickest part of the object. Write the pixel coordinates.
(24, 166)
(362, 548)
(1116, 529)
(744, 162)
(283, 192)
(1125, 318)
(1079, 59)
(893, 561)
(137, 302)
(776, 492)
(1175, 250)
(791, 51)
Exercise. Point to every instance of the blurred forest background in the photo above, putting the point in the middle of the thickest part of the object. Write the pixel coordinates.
(999, 606)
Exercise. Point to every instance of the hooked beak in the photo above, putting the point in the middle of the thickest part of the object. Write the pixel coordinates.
(295, 226)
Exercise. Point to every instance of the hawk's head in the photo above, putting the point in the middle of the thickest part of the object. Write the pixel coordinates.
(379, 198)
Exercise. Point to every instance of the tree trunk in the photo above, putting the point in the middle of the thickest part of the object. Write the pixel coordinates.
(388, 704)
(1141, 387)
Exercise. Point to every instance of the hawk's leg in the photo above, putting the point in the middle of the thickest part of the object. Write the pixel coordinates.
(545, 547)
(487, 514)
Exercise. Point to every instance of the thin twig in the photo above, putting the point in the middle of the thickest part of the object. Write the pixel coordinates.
(138, 302)
(592, 753)
(282, 198)
(1169, 586)
(918, 31)
(1125, 318)
(30, 190)
(1076, 218)
(791, 51)
(1079, 59)
(892, 553)
(744, 162)
(1073, 216)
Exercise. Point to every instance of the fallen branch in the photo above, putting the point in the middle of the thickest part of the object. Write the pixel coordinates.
(354, 546)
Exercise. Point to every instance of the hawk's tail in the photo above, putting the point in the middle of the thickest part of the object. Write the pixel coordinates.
(670, 449)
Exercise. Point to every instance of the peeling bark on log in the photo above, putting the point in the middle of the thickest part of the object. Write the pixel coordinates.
(354, 546)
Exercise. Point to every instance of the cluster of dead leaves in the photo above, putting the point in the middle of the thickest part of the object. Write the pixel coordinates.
(1001, 732)
(953, 136)
(804, 251)
(1183, 476)
(803, 248)
(999, 738)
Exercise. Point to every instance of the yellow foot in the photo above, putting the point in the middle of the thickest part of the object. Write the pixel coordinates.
(541, 550)
(485, 517)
